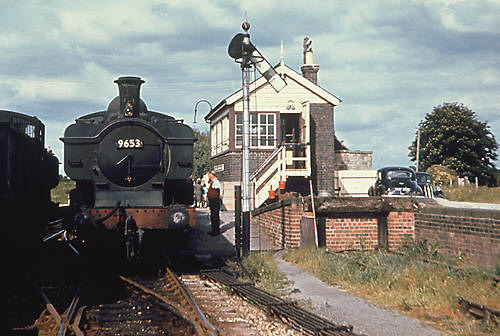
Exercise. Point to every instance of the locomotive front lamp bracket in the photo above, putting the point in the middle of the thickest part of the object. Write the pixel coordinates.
(128, 111)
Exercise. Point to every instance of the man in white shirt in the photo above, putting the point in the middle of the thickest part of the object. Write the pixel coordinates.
(213, 196)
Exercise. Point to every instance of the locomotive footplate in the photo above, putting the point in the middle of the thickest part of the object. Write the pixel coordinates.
(170, 218)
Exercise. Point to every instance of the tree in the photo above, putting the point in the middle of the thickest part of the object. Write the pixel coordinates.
(452, 136)
(441, 175)
(201, 153)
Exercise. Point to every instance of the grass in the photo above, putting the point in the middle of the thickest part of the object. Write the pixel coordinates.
(427, 291)
(261, 269)
(60, 193)
(473, 194)
(420, 289)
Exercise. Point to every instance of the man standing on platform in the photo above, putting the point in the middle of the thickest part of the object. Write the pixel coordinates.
(213, 196)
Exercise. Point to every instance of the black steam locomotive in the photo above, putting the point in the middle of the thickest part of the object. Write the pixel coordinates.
(132, 169)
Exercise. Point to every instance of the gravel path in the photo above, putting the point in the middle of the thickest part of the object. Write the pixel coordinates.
(342, 308)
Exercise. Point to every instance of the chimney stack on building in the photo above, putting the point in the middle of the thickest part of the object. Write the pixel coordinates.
(309, 69)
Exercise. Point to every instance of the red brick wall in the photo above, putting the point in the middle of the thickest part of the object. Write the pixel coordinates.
(401, 228)
(347, 230)
(473, 235)
(356, 232)
(281, 222)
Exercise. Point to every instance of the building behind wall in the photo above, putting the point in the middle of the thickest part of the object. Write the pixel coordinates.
(298, 121)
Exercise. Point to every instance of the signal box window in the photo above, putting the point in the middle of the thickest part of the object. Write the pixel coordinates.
(262, 130)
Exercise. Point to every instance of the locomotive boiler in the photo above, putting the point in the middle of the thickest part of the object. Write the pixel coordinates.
(132, 169)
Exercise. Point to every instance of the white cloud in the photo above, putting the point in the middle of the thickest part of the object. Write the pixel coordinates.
(391, 62)
(470, 16)
(89, 85)
(11, 40)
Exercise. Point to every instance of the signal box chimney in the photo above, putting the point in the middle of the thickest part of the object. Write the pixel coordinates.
(309, 69)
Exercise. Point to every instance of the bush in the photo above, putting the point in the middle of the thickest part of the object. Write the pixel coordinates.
(441, 174)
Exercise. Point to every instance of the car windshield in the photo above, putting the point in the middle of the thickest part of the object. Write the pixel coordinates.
(398, 174)
(424, 178)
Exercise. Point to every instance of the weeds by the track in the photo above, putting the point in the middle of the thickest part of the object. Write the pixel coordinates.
(419, 283)
(259, 267)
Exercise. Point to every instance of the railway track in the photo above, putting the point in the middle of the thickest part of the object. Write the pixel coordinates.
(150, 306)
(230, 314)
(286, 312)
(144, 305)
(479, 310)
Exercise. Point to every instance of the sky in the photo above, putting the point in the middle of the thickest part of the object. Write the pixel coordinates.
(390, 62)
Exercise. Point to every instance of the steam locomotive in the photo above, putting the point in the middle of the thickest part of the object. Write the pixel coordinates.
(132, 169)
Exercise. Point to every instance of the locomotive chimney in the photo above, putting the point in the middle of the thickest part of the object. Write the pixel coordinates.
(129, 88)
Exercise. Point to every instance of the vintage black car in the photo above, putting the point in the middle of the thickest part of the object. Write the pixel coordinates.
(424, 181)
(395, 181)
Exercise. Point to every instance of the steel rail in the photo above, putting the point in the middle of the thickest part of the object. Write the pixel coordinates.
(288, 312)
(53, 235)
(478, 310)
(52, 310)
(173, 306)
(71, 311)
(187, 298)
(76, 322)
(65, 235)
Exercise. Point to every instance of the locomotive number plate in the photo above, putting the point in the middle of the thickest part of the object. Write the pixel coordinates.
(129, 143)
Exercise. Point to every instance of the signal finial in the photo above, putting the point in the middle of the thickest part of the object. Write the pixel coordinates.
(245, 25)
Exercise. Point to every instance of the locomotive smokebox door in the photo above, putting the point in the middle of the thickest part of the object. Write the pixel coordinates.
(130, 155)
(129, 88)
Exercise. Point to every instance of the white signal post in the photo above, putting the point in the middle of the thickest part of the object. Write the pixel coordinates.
(244, 52)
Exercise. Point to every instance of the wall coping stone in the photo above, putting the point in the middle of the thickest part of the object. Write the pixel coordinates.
(462, 212)
(333, 205)
(343, 205)
(278, 204)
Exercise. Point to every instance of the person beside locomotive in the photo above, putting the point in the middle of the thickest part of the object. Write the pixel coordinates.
(198, 193)
(205, 199)
(214, 200)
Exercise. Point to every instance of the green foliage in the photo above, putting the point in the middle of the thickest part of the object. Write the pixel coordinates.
(419, 282)
(261, 269)
(60, 194)
(201, 153)
(440, 174)
(452, 136)
(472, 194)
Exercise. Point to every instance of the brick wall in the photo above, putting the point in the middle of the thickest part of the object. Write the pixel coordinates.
(473, 235)
(322, 147)
(281, 222)
(231, 175)
(353, 160)
(354, 232)
(232, 163)
(310, 71)
(401, 228)
(337, 230)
